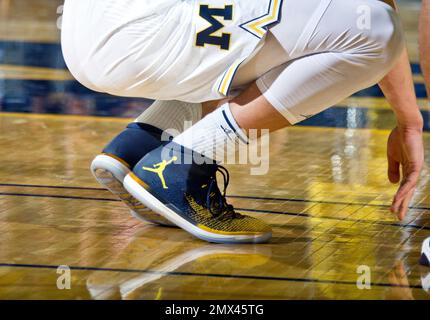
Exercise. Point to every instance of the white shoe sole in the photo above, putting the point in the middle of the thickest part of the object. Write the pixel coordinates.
(110, 173)
(145, 197)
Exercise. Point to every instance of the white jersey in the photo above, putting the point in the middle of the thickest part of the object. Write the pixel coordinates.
(186, 50)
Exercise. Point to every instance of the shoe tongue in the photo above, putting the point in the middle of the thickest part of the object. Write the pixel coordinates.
(205, 171)
(202, 183)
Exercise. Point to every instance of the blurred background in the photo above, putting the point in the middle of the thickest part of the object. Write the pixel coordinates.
(34, 77)
(33, 74)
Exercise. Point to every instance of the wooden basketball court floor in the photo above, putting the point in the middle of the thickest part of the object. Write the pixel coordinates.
(326, 196)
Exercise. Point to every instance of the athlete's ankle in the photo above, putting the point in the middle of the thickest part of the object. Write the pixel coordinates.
(135, 142)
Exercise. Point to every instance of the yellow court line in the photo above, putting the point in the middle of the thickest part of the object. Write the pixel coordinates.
(418, 78)
(64, 117)
(33, 73)
(377, 103)
(28, 29)
(373, 130)
(26, 38)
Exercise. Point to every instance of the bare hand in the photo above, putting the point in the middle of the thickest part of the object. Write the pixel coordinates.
(405, 149)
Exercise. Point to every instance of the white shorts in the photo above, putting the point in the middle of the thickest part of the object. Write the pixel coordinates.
(165, 49)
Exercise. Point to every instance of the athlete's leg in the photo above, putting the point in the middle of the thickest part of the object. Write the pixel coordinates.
(270, 56)
(325, 65)
(330, 59)
(425, 43)
(171, 116)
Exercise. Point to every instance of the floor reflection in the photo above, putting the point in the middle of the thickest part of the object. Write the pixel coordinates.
(179, 258)
(401, 287)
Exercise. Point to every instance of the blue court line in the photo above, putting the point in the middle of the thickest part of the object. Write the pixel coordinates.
(49, 55)
(358, 118)
(416, 68)
(195, 274)
(29, 88)
(57, 96)
(305, 215)
(375, 91)
(32, 54)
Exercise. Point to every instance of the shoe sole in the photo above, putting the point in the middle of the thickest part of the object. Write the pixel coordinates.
(425, 281)
(140, 191)
(110, 173)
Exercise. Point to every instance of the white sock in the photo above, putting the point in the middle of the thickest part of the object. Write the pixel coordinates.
(215, 136)
(171, 116)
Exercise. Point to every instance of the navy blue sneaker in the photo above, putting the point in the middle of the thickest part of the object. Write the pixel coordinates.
(119, 158)
(187, 194)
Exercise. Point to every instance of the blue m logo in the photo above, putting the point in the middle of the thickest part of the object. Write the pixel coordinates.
(207, 36)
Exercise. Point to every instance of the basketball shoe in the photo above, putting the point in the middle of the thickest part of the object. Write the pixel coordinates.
(117, 160)
(425, 253)
(187, 194)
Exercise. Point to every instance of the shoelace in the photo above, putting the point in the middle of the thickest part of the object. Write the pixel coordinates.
(223, 208)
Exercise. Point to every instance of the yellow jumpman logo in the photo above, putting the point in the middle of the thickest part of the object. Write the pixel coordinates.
(159, 169)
